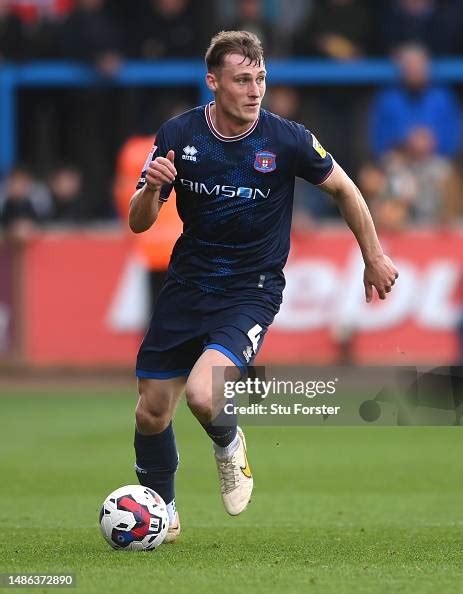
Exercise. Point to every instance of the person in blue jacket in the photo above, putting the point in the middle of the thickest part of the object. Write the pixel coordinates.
(415, 102)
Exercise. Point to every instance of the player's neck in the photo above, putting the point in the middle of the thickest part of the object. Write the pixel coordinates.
(226, 125)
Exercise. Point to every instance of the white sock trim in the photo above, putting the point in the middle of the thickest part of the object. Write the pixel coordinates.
(171, 510)
(228, 450)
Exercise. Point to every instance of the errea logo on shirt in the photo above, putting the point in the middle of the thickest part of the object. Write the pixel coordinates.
(189, 153)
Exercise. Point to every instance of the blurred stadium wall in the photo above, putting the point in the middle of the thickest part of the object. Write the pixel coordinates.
(81, 298)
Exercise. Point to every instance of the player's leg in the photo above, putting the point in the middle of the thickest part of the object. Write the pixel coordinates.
(155, 448)
(166, 356)
(205, 397)
(162, 376)
(234, 338)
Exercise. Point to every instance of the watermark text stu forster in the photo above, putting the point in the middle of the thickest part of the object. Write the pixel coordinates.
(341, 395)
(295, 408)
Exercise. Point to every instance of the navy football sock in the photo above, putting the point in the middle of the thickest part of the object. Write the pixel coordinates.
(222, 430)
(157, 461)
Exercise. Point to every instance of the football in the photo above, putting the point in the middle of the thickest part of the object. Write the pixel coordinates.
(134, 518)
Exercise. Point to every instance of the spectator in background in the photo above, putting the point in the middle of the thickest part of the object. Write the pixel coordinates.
(434, 24)
(93, 119)
(25, 203)
(415, 102)
(168, 29)
(39, 122)
(338, 29)
(65, 183)
(287, 20)
(250, 17)
(437, 185)
(11, 38)
(290, 15)
(40, 19)
(90, 34)
(31, 11)
(413, 185)
(282, 19)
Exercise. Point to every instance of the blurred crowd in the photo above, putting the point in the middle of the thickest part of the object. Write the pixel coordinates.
(94, 30)
(401, 143)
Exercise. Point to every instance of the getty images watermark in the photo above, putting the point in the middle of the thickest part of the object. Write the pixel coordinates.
(261, 390)
(340, 396)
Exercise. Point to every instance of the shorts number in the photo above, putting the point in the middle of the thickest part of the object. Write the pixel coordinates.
(254, 336)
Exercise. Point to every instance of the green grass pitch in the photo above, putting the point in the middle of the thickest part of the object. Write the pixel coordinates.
(335, 510)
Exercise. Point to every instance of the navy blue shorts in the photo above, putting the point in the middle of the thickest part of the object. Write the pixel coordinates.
(186, 321)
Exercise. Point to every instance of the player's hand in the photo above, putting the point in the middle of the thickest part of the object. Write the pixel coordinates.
(161, 171)
(381, 274)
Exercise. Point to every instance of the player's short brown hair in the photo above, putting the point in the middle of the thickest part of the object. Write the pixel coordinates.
(243, 43)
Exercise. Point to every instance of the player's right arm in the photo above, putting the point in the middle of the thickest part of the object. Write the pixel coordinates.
(319, 168)
(145, 203)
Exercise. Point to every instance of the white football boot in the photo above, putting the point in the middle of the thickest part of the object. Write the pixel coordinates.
(235, 478)
(173, 531)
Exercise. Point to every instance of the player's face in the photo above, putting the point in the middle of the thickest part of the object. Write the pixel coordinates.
(239, 88)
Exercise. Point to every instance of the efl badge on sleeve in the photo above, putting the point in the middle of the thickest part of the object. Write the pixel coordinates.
(318, 147)
(265, 162)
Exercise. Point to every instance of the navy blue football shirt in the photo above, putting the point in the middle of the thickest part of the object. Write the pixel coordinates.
(235, 197)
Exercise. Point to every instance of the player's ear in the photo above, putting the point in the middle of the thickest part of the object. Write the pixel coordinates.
(211, 82)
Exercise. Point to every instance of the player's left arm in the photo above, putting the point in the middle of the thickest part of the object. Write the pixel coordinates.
(380, 272)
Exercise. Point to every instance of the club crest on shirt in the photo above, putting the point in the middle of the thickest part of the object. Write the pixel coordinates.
(265, 161)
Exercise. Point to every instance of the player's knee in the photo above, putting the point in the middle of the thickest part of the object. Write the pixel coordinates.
(199, 402)
(149, 419)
